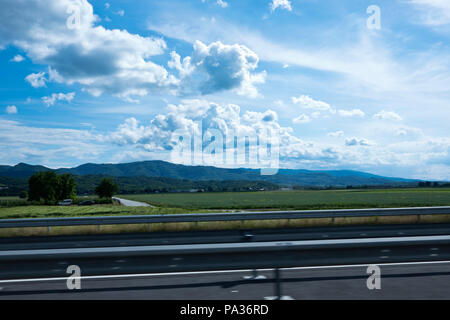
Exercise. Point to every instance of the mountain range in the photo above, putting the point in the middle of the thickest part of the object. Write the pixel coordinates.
(157, 168)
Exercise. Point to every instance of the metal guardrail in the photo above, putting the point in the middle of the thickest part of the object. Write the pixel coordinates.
(209, 217)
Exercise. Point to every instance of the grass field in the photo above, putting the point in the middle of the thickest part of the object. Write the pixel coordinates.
(206, 202)
(310, 199)
(77, 211)
(190, 202)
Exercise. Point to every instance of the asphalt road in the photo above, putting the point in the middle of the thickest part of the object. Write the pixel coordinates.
(231, 236)
(115, 278)
(410, 281)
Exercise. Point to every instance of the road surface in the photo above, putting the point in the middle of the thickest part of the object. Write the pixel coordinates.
(131, 203)
(409, 281)
(131, 277)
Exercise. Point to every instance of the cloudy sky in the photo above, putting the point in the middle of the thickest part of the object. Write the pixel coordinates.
(106, 82)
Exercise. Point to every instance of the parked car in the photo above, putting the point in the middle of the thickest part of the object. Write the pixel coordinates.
(65, 202)
(86, 203)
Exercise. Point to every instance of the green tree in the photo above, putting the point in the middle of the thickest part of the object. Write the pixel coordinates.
(107, 188)
(66, 187)
(23, 194)
(43, 185)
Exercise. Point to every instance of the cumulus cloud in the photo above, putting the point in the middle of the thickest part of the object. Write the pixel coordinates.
(49, 101)
(17, 58)
(387, 115)
(36, 80)
(200, 117)
(309, 103)
(11, 109)
(115, 61)
(351, 113)
(196, 116)
(217, 67)
(282, 4)
(99, 59)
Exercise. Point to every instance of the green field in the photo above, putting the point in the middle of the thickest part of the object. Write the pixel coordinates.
(77, 211)
(310, 199)
(196, 202)
(175, 203)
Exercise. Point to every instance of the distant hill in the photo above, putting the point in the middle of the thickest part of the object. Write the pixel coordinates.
(285, 177)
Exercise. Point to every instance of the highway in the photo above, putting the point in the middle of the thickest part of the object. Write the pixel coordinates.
(119, 275)
(409, 281)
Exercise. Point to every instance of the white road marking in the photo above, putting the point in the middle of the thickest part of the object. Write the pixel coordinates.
(136, 275)
(275, 298)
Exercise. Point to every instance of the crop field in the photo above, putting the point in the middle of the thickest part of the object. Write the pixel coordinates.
(308, 199)
(176, 203)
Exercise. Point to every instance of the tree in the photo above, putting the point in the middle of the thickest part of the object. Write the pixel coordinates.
(66, 187)
(50, 187)
(107, 188)
(43, 185)
(23, 194)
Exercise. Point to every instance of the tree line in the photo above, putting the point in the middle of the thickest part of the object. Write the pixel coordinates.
(50, 187)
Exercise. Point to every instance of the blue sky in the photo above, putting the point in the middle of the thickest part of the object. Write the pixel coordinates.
(106, 82)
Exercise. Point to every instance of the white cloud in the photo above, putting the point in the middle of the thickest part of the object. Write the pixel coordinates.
(17, 58)
(36, 80)
(120, 13)
(309, 103)
(198, 116)
(387, 115)
(351, 113)
(282, 4)
(101, 60)
(49, 101)
(303, 118)
(217, 67)
(222, 3)
(11, 109)
(47, 146)
(115, 61)
(336, 134)
(434, 12)
(107, 5)
(357, 142)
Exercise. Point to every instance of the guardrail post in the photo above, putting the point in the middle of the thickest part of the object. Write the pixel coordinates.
(277, 284)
